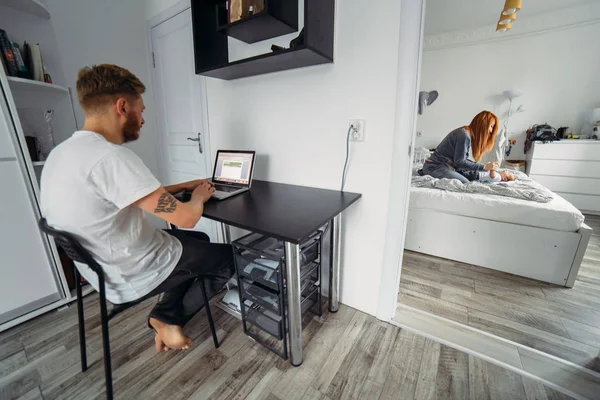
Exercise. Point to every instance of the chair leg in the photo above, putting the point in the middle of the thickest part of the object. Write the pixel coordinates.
(106, 344)
(81, 322)
(209, 314)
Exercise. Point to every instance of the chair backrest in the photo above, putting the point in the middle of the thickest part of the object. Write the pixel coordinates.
(72, 247)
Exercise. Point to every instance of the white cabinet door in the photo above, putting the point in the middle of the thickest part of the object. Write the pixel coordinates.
(28, 279)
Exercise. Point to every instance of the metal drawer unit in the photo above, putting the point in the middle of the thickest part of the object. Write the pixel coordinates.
(260, 268)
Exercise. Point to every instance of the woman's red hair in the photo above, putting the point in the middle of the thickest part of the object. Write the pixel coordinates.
(481, 140)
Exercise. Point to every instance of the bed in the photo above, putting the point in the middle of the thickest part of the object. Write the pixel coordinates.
(542, 241)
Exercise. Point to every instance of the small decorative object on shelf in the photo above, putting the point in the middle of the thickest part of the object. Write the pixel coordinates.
(8, 55)
(298, 41)
(596, 131)
(22, 71)
(32, 147)
(36, 63)
(240, 9)
(294, 43)
(26, 63)
(252, 21)
(511, 143)
(38, 123)
(234, 10)
(3, 63)
(47, 141)
(27, 58)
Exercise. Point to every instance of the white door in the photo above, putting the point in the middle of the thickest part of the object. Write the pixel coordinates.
(180, 107)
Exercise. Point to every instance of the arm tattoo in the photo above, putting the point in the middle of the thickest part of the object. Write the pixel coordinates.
(166, 203)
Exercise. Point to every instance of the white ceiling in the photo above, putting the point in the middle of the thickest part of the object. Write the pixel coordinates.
(443, 16)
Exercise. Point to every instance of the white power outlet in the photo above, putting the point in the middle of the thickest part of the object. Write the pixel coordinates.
(357, 133)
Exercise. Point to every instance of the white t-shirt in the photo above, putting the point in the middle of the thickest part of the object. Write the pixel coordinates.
(88, 186)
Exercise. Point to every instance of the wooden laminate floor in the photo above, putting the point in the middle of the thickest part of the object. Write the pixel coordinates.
(556, 320)
(347, 355)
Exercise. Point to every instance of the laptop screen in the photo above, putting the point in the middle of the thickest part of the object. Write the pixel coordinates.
(234, 167)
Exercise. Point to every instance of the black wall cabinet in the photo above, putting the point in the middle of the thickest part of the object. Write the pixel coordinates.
(211, 50)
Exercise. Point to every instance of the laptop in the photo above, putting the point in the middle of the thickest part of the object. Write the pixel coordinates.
(232, 174)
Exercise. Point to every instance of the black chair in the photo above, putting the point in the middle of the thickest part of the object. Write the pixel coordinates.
(77, 252)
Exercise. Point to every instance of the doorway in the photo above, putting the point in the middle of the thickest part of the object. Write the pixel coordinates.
(180, 99)
(523, 271)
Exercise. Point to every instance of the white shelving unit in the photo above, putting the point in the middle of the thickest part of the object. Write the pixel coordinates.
(34, 7)
(36, 86)
(29, 249)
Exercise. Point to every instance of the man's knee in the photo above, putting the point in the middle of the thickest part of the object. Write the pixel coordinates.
(198, 235)
(203, 236)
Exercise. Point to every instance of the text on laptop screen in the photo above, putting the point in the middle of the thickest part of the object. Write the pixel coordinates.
(234, 168)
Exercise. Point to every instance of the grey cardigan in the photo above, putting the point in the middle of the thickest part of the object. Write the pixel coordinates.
(453, 152)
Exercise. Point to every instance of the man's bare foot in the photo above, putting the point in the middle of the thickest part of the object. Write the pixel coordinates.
(169, 336)
(159, 345)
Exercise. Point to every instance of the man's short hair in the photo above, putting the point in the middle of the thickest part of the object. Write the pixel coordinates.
(98, 85)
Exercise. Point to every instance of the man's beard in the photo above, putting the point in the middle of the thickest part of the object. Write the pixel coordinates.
(131, 130)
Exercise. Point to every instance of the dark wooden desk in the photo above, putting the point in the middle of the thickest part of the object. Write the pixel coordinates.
(291, 214)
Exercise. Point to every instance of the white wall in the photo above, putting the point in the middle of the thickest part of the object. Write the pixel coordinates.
(297, 121)
(108, 31)
(558, 71)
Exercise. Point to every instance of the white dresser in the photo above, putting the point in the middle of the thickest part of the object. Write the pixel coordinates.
(570, 168)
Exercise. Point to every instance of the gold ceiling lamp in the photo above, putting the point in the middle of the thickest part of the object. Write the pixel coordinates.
(503, 27)
(508, 15)
(512, 6)
(507, 19)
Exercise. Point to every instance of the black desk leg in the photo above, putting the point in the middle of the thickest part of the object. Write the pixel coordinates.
(334, 263)
(292, 269)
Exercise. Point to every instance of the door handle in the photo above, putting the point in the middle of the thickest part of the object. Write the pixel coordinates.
(199, 140)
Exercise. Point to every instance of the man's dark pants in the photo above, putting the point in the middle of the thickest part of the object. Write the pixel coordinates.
(180, 296)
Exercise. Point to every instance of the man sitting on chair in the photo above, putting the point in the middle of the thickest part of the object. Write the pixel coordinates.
(97, 189)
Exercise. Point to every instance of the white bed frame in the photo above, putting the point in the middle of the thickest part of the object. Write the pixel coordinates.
(544, 254)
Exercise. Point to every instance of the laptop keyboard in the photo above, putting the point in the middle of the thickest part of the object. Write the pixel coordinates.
(227, 189)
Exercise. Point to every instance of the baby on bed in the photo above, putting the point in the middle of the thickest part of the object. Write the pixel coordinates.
(487, 176)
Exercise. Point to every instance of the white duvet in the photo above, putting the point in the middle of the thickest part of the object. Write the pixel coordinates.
(523, 188)
(557, 214)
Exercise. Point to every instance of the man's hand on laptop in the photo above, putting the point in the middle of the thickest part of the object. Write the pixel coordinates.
(191, 185)
(187, 186)
(203, 191)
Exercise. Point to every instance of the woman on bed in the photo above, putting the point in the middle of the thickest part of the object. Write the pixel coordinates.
(453, 152)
